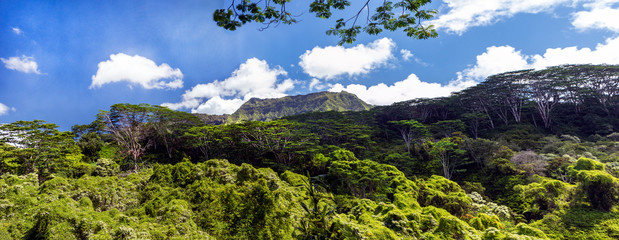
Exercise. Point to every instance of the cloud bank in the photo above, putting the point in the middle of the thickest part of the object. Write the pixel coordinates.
(137, 70)
(464, 14)
(506, 58)
(21, 64)
(334, 61)
(254, 78)
(409, 88)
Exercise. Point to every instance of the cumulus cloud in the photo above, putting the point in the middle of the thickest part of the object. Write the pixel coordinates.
(464, 14)
(505, 58)
(137, 70)
(409, 88)
(22, 64)
(600, 15)
(17, 31)
(4, 109)
(334, 61)
(496, 60)
(254, 78)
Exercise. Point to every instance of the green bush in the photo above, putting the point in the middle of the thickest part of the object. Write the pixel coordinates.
(106, 167)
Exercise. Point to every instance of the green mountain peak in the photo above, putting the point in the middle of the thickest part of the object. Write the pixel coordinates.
(268, 109)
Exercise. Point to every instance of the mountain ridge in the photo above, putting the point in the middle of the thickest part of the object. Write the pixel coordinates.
(272, 108)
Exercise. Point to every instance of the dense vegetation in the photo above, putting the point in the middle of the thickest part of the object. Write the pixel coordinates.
(523, 155)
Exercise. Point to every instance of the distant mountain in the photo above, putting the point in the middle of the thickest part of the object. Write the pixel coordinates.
(269, 109)
(212, 119)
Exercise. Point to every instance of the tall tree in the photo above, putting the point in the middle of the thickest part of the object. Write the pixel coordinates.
(411, 130)
(128, 126)
(204, 138)
(168, 127)
(281, 138)
(39, 146)
(603, 84)
(545, 94)
(448, 153)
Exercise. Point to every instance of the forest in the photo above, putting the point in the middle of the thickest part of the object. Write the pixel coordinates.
(530, 154)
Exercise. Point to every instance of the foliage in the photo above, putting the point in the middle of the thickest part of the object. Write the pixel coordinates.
(544, 197)
(411, 130)
(530, 163)
(386, 16)
(448, 153)
(39, 146)
(365, 185)
(598, 188)
(273, 108)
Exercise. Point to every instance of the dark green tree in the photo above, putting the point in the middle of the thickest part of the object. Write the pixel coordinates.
(204, 138)
(282, 138)
(38, 146)
(448, 153)
(167, 127)
(411, 130)
(447, 128)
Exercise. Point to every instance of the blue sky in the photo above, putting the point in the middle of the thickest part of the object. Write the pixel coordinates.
(63, 61)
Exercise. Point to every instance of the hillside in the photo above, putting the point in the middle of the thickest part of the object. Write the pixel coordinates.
(269, 109)
(531, 154)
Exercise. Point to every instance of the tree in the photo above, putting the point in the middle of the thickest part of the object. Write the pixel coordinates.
(411, 130)
(127, 124)
(281, 138)
(315, 224)
(447, 128)
(39, 146)
(403, 14)
(474, 121)
(449, 154)
(204, 138)
(168, 127)
(480, 150)
(545, 94)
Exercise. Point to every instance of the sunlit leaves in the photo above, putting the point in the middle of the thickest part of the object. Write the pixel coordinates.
(404, 14)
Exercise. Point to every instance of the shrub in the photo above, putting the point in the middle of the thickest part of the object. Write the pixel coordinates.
(106, 167)
(530, 163)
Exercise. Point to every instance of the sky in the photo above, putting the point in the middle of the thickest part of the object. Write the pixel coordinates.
(64, 61)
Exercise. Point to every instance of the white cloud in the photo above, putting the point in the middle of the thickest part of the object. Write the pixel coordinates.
(254, 78)
(505, 58)
(333, 61)
(22, 64)
(496, 60)
(409, 88)
(604, 53)
(137, 70)
(4, 109)
(17, 31)
(406, 54)
(218, 105)
(601, 15)
(464, 14)
(316, 84)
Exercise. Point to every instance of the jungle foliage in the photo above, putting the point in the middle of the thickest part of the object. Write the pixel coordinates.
(461, 167)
